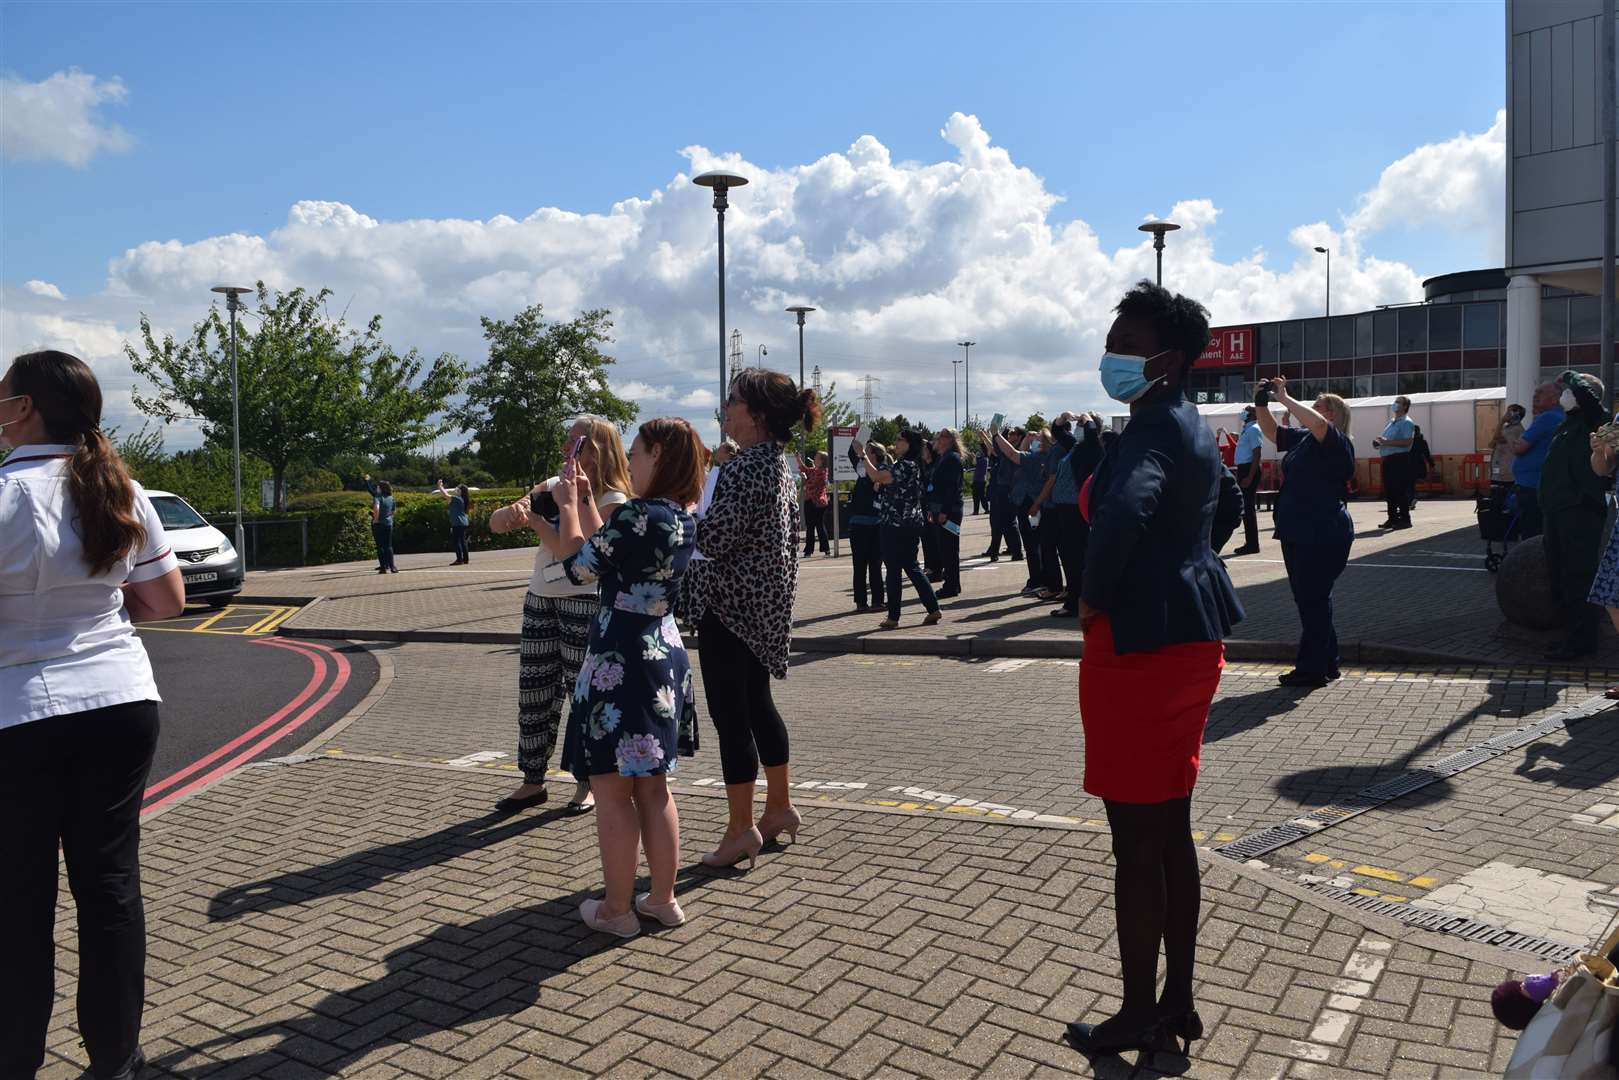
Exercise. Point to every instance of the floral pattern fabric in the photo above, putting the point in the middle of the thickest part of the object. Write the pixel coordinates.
(634, 711)
(902, 497)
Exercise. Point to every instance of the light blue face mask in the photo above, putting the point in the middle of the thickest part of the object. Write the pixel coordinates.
(1124, 378)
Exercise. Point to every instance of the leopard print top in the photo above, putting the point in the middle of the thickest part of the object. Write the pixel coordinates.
(749, 541)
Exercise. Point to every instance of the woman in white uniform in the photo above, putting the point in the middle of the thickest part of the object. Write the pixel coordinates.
(82, 554)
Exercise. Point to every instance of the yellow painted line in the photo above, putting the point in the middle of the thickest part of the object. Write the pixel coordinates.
(1368, 892)
(1316, 857)
(229, 609)
(276, 617)
(258, 625)
(1396, 899)
(189, 630)
(1379, 873)
(1423, 882)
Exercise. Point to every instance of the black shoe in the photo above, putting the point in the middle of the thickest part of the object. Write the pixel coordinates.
(1016, 556)
(1246, 550)
(1302, 678)
(393, 569)
(946, 594)
(1186, 1026)
(1115, 1035)
(137, 1063)
(1387, 523)
(1065, 613)
(577, 808)
(382, 569)
(1402, 524)
(1334, 675)
(511, 806)
(989, 554)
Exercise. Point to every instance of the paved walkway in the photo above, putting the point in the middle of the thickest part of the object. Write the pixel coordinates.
(1421, 595)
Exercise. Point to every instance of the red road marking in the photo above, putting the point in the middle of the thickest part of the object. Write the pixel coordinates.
(304, 648)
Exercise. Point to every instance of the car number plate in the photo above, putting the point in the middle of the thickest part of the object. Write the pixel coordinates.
(194, 579)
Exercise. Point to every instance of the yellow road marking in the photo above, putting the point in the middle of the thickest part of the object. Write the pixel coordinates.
(276, 617)
(1368, 892)
(1379, 873)
(229, 609)
(1423, 882)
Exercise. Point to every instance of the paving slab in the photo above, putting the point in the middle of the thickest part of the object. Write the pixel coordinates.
(333, 917)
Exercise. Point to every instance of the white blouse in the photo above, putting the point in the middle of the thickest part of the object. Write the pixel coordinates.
(66, 642)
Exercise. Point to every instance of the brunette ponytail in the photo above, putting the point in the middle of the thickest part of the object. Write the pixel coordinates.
(777, 402)
(810, 402)
(68, 398)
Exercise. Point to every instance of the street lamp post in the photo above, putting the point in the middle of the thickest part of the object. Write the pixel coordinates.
(1328, 254)
(721, 182)
(954, 412)
(800, 310)
(759, 357)
(1158, 229)
(232, 304)
(967, 374)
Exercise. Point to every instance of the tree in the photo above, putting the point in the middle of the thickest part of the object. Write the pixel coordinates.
(310, 385)
(1035, 422)
(835, 412)
(537, 377)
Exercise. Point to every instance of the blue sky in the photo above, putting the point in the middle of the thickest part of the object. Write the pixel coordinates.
(1279, 114)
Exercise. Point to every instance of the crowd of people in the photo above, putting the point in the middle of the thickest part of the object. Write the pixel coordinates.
(641, 546)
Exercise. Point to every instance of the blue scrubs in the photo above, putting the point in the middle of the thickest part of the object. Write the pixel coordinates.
(1316, 531)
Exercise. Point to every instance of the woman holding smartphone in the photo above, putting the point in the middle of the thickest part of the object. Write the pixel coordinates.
(557, 612)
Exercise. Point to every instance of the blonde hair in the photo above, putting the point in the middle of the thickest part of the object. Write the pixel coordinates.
(609, 468)
(1339, 410)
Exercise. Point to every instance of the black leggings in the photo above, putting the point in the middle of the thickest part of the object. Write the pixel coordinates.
(74, 780)
(738, 690)
(1156, 896)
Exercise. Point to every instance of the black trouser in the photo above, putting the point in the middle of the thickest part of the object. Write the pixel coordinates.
(899, 562)
(814, 526)
(1250, 505)
(930, 547)
(950, 550)
(458, 536)
(979, 501)
(383, 534)
(865, 549)
(1156, 897)
(76, 780)
(1312, 570)
(1529, 521)
(1050, 566)
(1397, 486)
(1072, 535)
(1003, 523)
(737, 687)
(1031, 542)
(1573, 540)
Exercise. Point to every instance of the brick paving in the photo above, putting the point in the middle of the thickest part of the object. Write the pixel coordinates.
(1423, 591)
(356, 918)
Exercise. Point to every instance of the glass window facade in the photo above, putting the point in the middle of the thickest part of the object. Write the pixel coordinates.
(1315, 339)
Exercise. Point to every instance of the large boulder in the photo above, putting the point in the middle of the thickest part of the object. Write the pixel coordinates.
(1523, 587)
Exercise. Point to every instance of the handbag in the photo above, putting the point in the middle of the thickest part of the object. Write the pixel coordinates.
(1572, 1036)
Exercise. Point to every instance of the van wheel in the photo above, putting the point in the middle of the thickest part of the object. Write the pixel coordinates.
(217, 602)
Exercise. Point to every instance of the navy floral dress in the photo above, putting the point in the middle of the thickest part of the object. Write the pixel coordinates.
(633, 710)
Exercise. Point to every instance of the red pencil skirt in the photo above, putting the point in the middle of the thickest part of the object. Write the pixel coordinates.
(1144, 715)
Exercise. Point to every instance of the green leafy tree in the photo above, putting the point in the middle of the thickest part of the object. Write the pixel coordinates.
(835, 412)
(884, 430)
(310, 385)
(539, 375)
(1035, 422)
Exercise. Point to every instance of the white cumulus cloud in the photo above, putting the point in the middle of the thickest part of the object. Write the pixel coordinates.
(58, 119)
(43, 288)
(1458, 183)
(901, 259)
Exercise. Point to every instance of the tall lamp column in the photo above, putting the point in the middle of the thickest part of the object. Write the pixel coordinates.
(1328, 254)
(721, 182)
(800, 310)
(1158, 229)
(233, 303)
(967, 374)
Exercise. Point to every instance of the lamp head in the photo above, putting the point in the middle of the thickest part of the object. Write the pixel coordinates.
(800, 310)
(232, 294)
(1322, 251)
(718, 179)
(1158, 229)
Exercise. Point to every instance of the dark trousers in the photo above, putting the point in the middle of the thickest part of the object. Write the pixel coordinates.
(737, 687)
(979, 501)
(1398, 486)
(1250, 506)
(1072, 535)
(458, 536)
(1031, 542)
(383, 534)
(815, 526)
(1573, 540)
(899, 562)
(865, 548)
(1157, 896)
(930, 548)
(1050, 565)
(1003, 523)
(950, 550)
(74, 780)
(1312, 570)
(1529, 521)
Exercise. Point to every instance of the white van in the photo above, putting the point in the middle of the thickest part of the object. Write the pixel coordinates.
(211, 567)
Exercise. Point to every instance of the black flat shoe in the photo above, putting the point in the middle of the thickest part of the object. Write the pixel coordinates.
(510, 805)
(1065, 613)
(1112, 1036)
(137, 1064)
(947, 594)
(1302, 678)
(577, 808)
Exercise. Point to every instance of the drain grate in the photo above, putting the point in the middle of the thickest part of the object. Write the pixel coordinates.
(1393, 788)
(1445, 922)
(1466, 759)
(1261, 843)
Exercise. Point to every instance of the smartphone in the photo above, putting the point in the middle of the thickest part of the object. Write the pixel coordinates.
(573, 455)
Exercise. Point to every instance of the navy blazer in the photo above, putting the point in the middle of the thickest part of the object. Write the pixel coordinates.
(1162, 503)
(945, 496)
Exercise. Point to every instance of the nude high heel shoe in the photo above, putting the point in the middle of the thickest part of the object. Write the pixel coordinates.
(743, 846)
(775, 822)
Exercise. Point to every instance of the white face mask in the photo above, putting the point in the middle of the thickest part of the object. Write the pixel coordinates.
(5, 443)
(1567, 401)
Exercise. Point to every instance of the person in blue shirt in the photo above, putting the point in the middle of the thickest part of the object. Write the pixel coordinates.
(1249, 449)
(1530, 457)
(1312, 519)
(382, 523)
(1029, 459)
(1399, 474)
(460, 520)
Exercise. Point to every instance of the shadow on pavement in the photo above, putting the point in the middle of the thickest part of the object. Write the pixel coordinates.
(360, 870)
(457, 975)
(1239, 713)
(1588, 758)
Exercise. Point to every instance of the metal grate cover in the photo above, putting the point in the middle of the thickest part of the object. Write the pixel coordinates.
(1251, 847)
(1444, 922)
